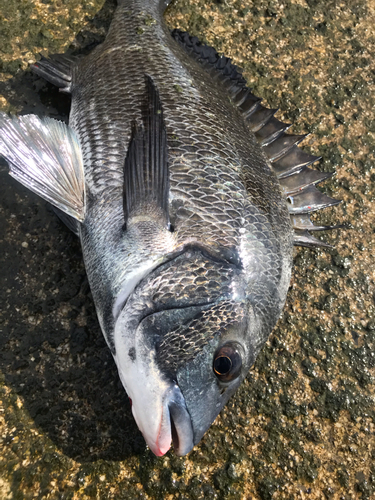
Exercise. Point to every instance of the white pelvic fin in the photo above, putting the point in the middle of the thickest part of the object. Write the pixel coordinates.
(45, 156)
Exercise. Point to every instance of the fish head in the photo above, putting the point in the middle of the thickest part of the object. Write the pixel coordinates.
(185, 340)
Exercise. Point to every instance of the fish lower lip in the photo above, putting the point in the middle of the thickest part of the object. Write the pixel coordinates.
(181, 426)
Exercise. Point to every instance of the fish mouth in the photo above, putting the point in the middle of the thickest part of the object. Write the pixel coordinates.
(181, 426)
(175, 426)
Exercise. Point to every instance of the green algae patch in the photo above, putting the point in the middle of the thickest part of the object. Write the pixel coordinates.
(149, 21)
(28, 28)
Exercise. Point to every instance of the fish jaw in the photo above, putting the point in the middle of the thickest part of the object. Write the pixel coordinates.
(158, 405)
(157, 416)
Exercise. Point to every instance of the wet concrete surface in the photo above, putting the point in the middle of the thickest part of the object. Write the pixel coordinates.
(302, 424)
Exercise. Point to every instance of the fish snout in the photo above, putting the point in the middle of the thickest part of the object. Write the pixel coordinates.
(171, 424)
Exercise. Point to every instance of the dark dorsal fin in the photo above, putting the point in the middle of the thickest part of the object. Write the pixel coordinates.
(146, 172)
(220, 67)
(57, 69)
(288, 161)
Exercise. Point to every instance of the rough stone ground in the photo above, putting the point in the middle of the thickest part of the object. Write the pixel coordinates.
(302, 424)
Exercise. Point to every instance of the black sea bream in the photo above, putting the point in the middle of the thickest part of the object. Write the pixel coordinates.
(187, 196)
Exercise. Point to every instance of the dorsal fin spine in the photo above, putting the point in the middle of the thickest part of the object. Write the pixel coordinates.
(280, 148)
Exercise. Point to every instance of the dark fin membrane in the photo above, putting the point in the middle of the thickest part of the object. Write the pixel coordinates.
(56, 70)
(292, 162)
(220, 68)
(146, 172)
(302, 222)
(271, 131)
(305, 239)
(298, 181)
(280, 147)
(288, 161)
(309, 200)
(260, 118)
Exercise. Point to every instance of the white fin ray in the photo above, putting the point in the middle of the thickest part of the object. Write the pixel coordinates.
(45, 156)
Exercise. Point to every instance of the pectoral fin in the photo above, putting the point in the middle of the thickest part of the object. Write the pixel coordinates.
(146, 172)
(45, 156)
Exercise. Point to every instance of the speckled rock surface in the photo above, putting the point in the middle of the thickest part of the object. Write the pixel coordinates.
(302, 424)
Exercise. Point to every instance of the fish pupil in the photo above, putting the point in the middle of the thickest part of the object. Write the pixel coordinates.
(222, 365)
(227, 362)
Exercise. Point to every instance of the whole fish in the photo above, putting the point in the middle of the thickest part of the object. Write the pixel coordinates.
(187, 195)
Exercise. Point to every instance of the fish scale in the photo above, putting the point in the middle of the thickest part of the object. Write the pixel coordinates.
(236, 155)
(184, 191)
(122, 72)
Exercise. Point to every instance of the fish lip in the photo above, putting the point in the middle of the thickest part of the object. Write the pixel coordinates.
(175, 425)
(181, 425)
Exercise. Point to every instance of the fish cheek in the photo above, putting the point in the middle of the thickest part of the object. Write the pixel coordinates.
(204, 395)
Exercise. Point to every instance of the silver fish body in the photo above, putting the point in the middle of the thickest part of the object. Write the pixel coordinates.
(171, 299)
(189, 280)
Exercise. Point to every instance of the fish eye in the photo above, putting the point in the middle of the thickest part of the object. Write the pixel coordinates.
(227, 362)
